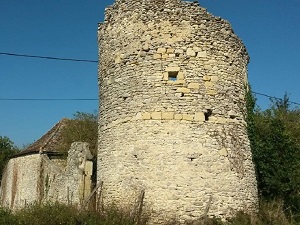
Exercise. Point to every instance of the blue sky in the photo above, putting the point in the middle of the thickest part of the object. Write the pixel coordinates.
(270, 29)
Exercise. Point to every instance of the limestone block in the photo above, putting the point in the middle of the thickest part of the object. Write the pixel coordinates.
(206, 78)
(165, 56)
(142, 53)
(180, 76)
(146, 47)
(190, 52)
(208, 84)
(194, 85)
(199, 116)
(158, 75)
(222, 120)
(146, 116)
(156, 115)
(208, 67)
(196, 49)
(211, 92)
(178, 82)
(188, 117)
(178, 116)
(179, 51)
(167, 115)
(173, 69)
(166, 76)
(183, 90)
(172, 55)
(111, 80)
(118, 59)
(223, 152)
(157, 56)
(232, 114)
(161, 50)
(214, 78)
(202, 54)
(170, 50)
(138, 116)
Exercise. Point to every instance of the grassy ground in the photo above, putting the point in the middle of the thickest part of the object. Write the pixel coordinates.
(270, 213)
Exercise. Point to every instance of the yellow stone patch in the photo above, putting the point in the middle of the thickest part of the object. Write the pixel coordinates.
(161, 50)
(156, 115)
(206, 78)
(180, 76)
(157, 56)
(178, 116)
(211, 92)
(199, 116)
(173, 69)
(166, 76)
(202, 54)
(214, 79)
(146, 116)
(223, 152)
(167, 115)
(208, 84)
(188, 117)
(165, 56)
(194, 85)
(170, 50)
(184, 90)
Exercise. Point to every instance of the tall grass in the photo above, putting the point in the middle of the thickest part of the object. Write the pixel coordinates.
(270, 213)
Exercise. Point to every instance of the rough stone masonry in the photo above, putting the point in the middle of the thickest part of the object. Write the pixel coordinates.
(172, 81)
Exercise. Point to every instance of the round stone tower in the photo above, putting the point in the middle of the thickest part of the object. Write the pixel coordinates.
(172, 131)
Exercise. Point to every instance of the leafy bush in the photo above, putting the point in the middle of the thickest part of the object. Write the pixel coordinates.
(7, 149)
(83, 127)
(275, 143)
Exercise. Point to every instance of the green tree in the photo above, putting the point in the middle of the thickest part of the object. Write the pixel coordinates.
(276, 152)
(83, 127)
(7, 149)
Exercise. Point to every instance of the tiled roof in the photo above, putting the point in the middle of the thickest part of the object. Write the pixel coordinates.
(48, 142)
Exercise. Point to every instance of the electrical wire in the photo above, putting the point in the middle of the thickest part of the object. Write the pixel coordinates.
(48, 57)
(87, 99)
(273, 97)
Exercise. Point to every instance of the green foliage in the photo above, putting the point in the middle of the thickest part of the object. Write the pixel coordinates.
(270, 213)
(83, 127)
(275, 142)
(7, 149)
(55, 213)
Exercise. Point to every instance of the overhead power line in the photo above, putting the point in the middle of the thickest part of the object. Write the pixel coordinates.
(82, 99)
(273, 97)
(96, 99)
(49, 57)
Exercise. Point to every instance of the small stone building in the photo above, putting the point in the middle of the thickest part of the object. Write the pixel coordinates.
(172, 130)
(41, 173)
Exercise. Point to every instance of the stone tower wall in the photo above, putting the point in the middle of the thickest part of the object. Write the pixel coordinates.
(172, 83)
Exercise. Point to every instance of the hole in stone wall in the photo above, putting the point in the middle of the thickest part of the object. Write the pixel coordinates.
(208, 114)
(182, 94)
(135, 156)
(172, 75)
(124, 98)
(177, 54)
